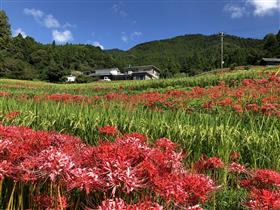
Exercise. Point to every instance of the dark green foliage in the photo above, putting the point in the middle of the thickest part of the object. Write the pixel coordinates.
(85, 79)
(192, 54)
(272, 45)
(16, 69)
(5, 31)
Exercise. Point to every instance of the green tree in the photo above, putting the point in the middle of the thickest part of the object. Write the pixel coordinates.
(55, 73)
(5, 31)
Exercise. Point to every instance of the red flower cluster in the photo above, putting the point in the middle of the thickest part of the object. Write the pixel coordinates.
(4, 93)
(208, 163)
(264, 189)
(108, 130)
(252, 95)
(11, 115)
(264, 199)
(263, 185)
(126, 167)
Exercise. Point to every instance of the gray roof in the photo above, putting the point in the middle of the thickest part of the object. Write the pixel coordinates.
(142, 68)
(271, 59)
(109, 69)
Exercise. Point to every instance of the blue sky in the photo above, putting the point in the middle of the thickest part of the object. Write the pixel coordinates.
(123, 24)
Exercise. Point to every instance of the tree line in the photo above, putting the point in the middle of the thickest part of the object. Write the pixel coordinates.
(24, 58)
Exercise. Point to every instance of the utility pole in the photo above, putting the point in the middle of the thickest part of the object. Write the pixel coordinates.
(222, 49)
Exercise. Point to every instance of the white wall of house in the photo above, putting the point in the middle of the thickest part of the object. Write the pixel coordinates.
(71, 78)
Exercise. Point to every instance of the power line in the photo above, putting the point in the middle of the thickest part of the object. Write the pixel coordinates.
(222, 49)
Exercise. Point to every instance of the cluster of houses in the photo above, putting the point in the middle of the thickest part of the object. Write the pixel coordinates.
(148, 72)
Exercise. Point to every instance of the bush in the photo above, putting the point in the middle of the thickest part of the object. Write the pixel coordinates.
(233, 66)
(246, 67)
(85, 79)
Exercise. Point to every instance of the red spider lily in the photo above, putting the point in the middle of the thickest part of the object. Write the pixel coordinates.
(238, 108)
(234, 156)
(127, 166)
(262, 179)
(238, 168)
(184, 189)
(66, 98)
(268, 107)
(137, 136)
(3, 93)
(55, 163)
(208, 105)
(11, 115)
(267, 177)
(208, 163)
(108, 130)
(246, 82)
(225, 102)
(116, 204)
(253, 107)
(166, 144)
(239, 93)
(264, 199)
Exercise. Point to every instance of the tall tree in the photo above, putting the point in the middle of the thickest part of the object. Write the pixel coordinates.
(5, 31)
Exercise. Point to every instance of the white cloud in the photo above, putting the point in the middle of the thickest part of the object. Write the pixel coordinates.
(33, 12)
(47, 20)
(19, 31)
(97, 44)
(118, 9)
(51, 22)
(69, 25)
(264, 7)
(62, 37)
(235, 11)
(253, 7)
(135, 34)
(126, 38)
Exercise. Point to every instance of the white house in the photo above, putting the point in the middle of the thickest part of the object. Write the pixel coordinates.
(71, 78)
(143, 72)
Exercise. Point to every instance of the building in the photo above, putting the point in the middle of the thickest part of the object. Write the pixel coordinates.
(71, 78)
(131, 73)
(270, 61)
(143, 72)
(103, 73)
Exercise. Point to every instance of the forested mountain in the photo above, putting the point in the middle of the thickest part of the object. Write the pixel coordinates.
(24, 58)
(192, 54)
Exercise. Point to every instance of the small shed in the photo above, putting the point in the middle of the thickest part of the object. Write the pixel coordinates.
(270, 61)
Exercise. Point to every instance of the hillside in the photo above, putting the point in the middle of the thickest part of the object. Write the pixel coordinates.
(192, 54)
(24, 58)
